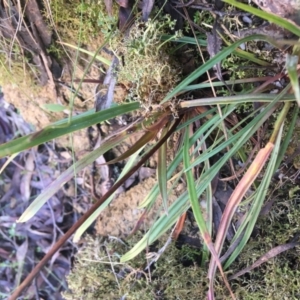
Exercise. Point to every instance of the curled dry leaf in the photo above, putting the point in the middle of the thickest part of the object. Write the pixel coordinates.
(283, 8)
(270, 254)
(147, 6)
(21, 244)
(108, 5)
(27, 176)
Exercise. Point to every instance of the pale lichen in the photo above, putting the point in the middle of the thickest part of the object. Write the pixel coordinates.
(148, 69)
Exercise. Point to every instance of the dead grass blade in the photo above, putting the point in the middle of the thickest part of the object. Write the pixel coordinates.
(147, 8)
(270, 254)
(162, 172)
(68, 234)
(108, 5)
(233, 203)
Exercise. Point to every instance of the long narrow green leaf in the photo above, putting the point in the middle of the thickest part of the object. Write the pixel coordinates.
(235, 100)
(160, 227)
(281, 22)
(206, 129)
(96, 213)
(210, 63)
(179, 206)
(153, 194)
(191, 185)
(252, 126)
(196, 206)
(64, 127)
(239, 52)
(67, 175)
(196, 118)
(97, 57)
(182, 204)
(209, 207)
(220, 83)
(187, 40)
(151, 197)
(250, 57)
(242, 187)
(258, 199)
(192, 189)
(291, 66)
(288, 136)
(162, 172)
(214, 123)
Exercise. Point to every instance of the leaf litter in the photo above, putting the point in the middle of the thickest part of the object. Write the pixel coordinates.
(23, 245)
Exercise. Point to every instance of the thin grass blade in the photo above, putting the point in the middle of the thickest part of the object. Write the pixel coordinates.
(162, 173)
(288, 136)
(257, 202)
(281, 22)
(197, 210)
(240, 99)
(239, 52)
(210, 63)
(291, 66)
(97, 57)
(64, 127)
(160, 227)
(93, 217)
(67, 175)
(262, 190)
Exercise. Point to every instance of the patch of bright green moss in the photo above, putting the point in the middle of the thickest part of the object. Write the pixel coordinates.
(97, 273)
(278, 278)
(81, 19)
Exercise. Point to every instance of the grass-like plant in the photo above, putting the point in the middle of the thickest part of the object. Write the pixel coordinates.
(168, 111)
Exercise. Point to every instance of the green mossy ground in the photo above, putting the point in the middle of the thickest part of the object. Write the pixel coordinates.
(278, 278)
(177, 274)
(94, 274)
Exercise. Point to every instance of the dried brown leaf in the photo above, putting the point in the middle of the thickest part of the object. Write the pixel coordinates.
(123, 3)
(108, 5)
(147, 6)
(125, 17)
(270, 254)
(22, 251)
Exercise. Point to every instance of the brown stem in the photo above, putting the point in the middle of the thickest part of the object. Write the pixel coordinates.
(68, 234)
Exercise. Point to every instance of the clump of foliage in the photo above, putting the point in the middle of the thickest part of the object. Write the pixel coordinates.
(178, 275)
(196, 120)
(148, 68)
(82, 21)
(279, 277)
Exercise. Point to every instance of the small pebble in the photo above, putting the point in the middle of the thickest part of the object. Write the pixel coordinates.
(275, 91)
(278, 84)
(247, 20)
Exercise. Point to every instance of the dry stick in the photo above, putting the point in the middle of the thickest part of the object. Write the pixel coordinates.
(68, 234)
